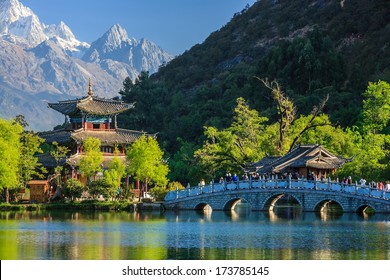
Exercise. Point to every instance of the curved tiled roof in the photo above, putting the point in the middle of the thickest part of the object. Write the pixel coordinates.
(91, 105)
(110, 137)
(314, 156)
(60, 136)
(49, 161)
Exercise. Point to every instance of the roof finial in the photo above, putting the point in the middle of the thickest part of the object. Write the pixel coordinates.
(90, 92)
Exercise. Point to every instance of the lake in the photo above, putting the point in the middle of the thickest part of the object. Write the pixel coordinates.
(283, 234)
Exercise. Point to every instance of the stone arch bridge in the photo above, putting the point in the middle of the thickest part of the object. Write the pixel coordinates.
(262, 195)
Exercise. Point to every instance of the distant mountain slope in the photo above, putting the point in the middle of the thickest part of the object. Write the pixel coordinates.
(40, 62)
(312, 48)
(359, 29)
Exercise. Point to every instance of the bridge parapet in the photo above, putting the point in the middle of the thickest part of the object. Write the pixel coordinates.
(357, 190)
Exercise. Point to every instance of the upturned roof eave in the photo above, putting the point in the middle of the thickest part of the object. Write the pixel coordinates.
(81, 105)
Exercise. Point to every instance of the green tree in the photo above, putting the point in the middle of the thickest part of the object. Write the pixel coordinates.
(91, 163)
(116, 171)
(145, 162)
(372, 150)
(148, 98)
(290, 127)
(29, 166)
(73, 189)
(100, 187)
(236, 146)
(10, 132)
(59, 154)
(183, 166)
(370, 160)
(376, 107)
(286, 110)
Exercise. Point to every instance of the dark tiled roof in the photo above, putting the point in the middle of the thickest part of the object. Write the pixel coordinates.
(314, 156)
(60, 136)
(48, 161)
(265, 161)
(111, 137)
(91, 105)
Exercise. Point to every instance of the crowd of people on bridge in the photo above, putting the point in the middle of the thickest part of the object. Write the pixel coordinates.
(229, 178)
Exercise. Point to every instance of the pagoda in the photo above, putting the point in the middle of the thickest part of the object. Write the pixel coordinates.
(89, 116)
(302, 160)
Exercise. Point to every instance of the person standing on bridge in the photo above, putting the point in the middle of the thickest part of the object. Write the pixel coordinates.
(228, 177)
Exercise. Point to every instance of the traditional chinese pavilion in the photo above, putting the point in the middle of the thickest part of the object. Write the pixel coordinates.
(302, 160)
(90, 116)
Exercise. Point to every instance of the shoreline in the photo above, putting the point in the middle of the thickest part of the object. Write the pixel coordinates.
(90, 205)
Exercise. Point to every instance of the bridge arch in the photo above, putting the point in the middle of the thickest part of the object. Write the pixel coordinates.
(332, 204)
(231, 203)
(270, 201)
(203, 206)
(364, 208)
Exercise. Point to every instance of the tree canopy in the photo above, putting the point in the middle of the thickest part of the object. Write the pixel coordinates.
(91, 163)
(116, 171)
(10, 132)
(236, 146)
(146, 162)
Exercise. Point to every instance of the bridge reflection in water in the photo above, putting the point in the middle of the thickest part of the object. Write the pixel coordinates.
(265, 195)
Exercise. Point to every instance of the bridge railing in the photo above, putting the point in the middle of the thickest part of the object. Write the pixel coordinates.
(275, 183)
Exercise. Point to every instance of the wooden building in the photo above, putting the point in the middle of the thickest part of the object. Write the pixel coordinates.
(89, 116)
(39, 190)
(303, 160)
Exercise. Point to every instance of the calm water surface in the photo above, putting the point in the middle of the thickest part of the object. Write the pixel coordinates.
(243, 235)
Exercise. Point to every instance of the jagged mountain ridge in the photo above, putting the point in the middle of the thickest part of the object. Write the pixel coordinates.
(48, 61)
(19, 24)
(115, 52)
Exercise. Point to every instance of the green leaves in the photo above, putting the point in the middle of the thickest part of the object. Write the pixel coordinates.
(236, 146)
(73, 189)
(91, 162)
(29, 166)
(116, 171)
(9, 153)
(376, 107)
(145, 161)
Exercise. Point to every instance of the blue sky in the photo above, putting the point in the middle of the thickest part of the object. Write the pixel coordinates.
(174, 25)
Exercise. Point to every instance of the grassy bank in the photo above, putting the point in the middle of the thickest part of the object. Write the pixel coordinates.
(78, 205)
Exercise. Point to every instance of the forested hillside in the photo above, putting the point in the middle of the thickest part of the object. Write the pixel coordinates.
(313, 48)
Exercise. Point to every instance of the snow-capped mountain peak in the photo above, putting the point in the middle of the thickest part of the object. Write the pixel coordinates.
(12, 10)
(18, 24)
(39, 62)
(114, 38)
(19, 21)
(64, 36)
(115, 45)
(61, 30)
